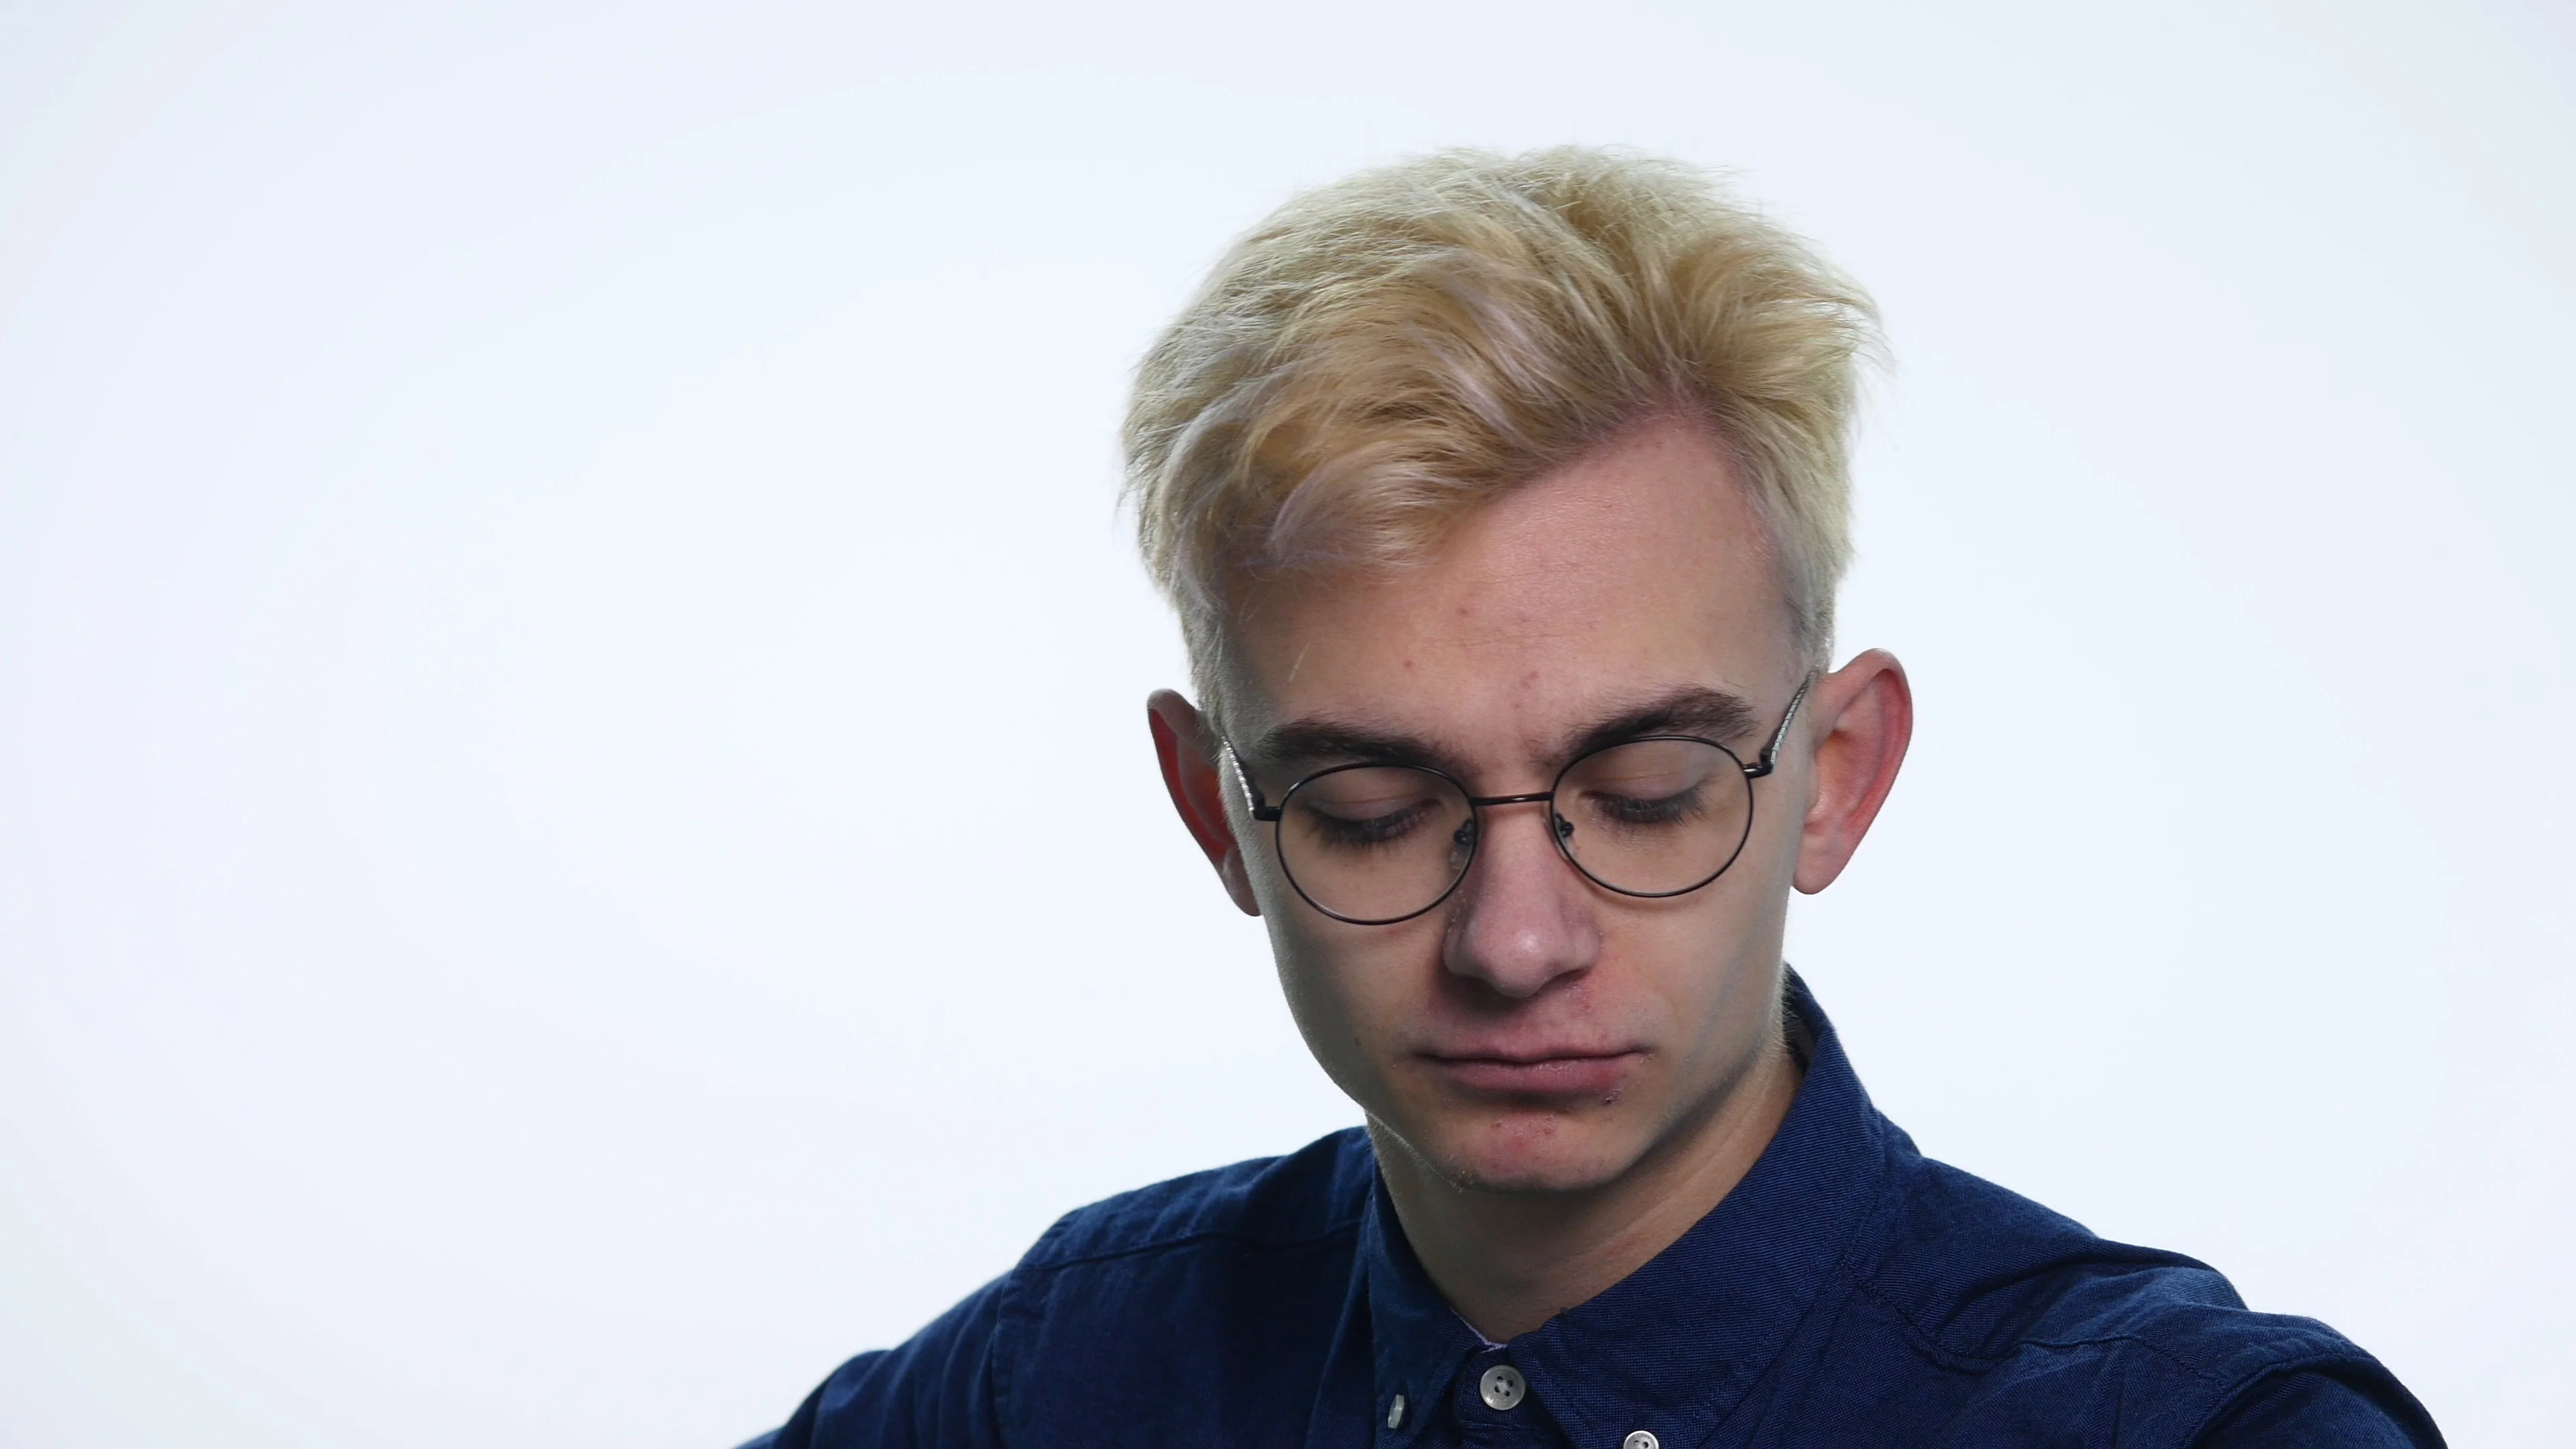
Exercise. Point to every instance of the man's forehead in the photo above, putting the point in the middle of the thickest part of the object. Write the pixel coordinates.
(1618, 580)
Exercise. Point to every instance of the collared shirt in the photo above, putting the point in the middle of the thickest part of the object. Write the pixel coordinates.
(1848, 1293)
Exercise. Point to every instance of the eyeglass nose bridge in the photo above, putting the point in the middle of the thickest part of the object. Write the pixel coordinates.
(1559, 829)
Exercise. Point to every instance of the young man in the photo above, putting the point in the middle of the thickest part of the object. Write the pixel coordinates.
(1503, 503)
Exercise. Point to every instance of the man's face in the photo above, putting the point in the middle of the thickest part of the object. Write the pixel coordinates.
(1536, 1031)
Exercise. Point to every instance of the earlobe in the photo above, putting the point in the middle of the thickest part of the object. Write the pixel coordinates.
(1864, 713)
(1183, 746)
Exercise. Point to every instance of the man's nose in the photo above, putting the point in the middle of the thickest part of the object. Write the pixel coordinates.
(1524, 917)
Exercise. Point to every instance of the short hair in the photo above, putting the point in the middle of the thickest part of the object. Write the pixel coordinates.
(1385, 354)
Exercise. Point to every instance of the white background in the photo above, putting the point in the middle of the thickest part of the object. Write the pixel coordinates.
(576, 834)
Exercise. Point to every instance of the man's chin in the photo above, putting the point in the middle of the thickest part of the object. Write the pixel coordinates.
(1529, 1156)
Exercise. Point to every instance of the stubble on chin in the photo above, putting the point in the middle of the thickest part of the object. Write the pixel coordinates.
(1521, 1151)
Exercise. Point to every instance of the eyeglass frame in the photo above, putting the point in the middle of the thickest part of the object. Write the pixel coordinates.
(1559, 826)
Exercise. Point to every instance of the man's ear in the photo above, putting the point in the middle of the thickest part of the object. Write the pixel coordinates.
(1187, 749)
(1861, 717)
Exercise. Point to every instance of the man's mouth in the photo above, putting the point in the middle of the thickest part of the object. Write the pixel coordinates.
(1568, 1074)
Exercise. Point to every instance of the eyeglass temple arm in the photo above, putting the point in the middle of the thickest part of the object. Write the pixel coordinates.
(1261, 809)
(1762, 763)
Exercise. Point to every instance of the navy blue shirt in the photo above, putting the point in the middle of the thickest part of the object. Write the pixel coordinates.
(1849, 1293)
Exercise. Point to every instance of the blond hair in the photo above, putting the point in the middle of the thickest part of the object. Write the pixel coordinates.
(1385, 354)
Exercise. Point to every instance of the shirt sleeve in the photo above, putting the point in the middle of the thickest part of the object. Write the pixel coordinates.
(2318, 1409)
(936, 1390)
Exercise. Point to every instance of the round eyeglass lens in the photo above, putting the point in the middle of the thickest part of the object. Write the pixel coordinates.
(1372, 844)
(1655, 817)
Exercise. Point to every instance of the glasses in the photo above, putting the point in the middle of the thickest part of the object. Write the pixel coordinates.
(1656, 816)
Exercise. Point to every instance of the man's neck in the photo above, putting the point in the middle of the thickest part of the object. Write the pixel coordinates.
(1508, 1262)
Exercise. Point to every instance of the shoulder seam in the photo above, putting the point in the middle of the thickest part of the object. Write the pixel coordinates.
(2315, 1358)
(2068, 1345)
(1925, 1340)
(2308, 1355)
(1923, 1337)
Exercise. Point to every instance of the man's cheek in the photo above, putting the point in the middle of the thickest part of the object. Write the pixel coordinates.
(1325, 998)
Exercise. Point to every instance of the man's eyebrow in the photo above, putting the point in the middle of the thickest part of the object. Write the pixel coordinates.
(1326, 741)
(1691, 710)
(1711, 714)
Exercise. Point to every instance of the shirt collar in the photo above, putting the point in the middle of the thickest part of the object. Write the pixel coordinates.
(1672, 1347)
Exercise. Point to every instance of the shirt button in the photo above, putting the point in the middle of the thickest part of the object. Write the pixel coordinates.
(1642, 1439)
(1503, 1387)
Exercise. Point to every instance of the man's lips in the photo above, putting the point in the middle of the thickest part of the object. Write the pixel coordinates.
(1562, 1074)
